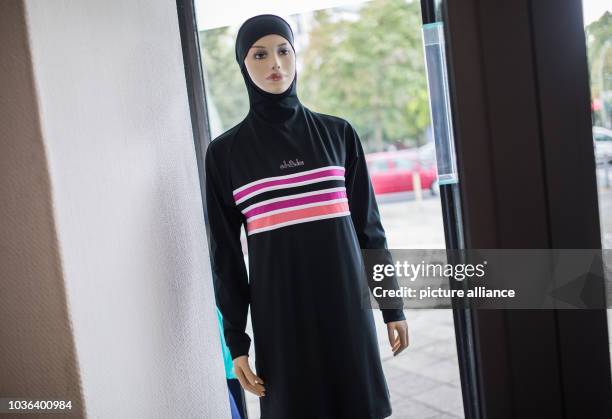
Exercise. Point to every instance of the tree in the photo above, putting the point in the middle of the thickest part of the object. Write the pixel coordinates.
(370, 71)
(224, 83)
(599, 44)
(598, 33)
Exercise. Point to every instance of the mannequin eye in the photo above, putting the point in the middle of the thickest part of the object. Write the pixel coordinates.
(259, 54)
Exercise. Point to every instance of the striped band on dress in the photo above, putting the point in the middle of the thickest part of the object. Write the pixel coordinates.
(294, 208)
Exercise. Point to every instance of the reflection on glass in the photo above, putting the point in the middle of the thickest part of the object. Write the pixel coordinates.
(364, 62)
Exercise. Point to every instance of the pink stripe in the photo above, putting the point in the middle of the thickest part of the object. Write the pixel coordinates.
(295, 202)
(297, 215)
(323, 173)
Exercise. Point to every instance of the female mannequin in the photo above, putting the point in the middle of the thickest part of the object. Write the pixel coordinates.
(297, 180)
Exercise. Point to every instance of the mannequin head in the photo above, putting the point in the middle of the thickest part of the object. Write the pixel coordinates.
(269, 56)
(264, 48)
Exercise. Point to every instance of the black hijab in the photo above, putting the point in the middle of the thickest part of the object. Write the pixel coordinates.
(266, 107)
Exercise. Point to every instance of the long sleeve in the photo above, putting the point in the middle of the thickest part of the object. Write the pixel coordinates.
(228, 268)
(363, 207)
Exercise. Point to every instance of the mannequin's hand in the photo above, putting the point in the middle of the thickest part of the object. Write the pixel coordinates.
(248, 380)
(398, 336)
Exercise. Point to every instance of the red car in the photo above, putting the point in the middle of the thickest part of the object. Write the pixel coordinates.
(392, 171)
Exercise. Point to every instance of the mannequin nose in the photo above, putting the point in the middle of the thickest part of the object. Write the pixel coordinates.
(276, 63)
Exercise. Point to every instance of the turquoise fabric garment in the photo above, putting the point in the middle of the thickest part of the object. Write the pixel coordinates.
(227, 357)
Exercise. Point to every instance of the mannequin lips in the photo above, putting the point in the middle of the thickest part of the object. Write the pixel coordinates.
(275, 77)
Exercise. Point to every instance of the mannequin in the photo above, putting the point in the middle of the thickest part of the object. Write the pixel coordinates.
(297, 181)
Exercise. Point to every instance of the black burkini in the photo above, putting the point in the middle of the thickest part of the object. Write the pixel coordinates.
(297, 180)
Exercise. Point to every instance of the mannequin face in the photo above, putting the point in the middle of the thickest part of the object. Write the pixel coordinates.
(268, 56)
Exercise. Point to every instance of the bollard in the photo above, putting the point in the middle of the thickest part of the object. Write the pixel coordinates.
(416, 183)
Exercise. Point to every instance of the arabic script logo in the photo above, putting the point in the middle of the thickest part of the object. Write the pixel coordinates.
(291, 163)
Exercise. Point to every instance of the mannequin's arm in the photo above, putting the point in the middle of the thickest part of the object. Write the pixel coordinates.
(363, 206)
(228, 268)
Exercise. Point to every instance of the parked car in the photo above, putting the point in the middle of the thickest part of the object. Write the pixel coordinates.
(602, 141)
(392, 171)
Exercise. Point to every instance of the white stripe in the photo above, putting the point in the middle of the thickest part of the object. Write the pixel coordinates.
(292, 185)
(297, 207)
(297, 195)
(307, 172)
(301, 220)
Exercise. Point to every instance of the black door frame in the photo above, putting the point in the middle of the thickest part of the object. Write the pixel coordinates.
(521, 110)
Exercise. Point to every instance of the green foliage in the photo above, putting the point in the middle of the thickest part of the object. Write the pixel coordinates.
(599, 42)
(224, 83)
(370, 71)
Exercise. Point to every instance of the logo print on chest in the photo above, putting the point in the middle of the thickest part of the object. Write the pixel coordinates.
(292, 163)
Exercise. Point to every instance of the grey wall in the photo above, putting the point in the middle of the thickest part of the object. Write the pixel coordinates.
(107, 173)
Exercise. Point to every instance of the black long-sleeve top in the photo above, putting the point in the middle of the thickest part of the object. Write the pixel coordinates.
(304, 197)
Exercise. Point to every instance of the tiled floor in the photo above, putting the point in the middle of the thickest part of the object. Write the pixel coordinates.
(424, 379)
